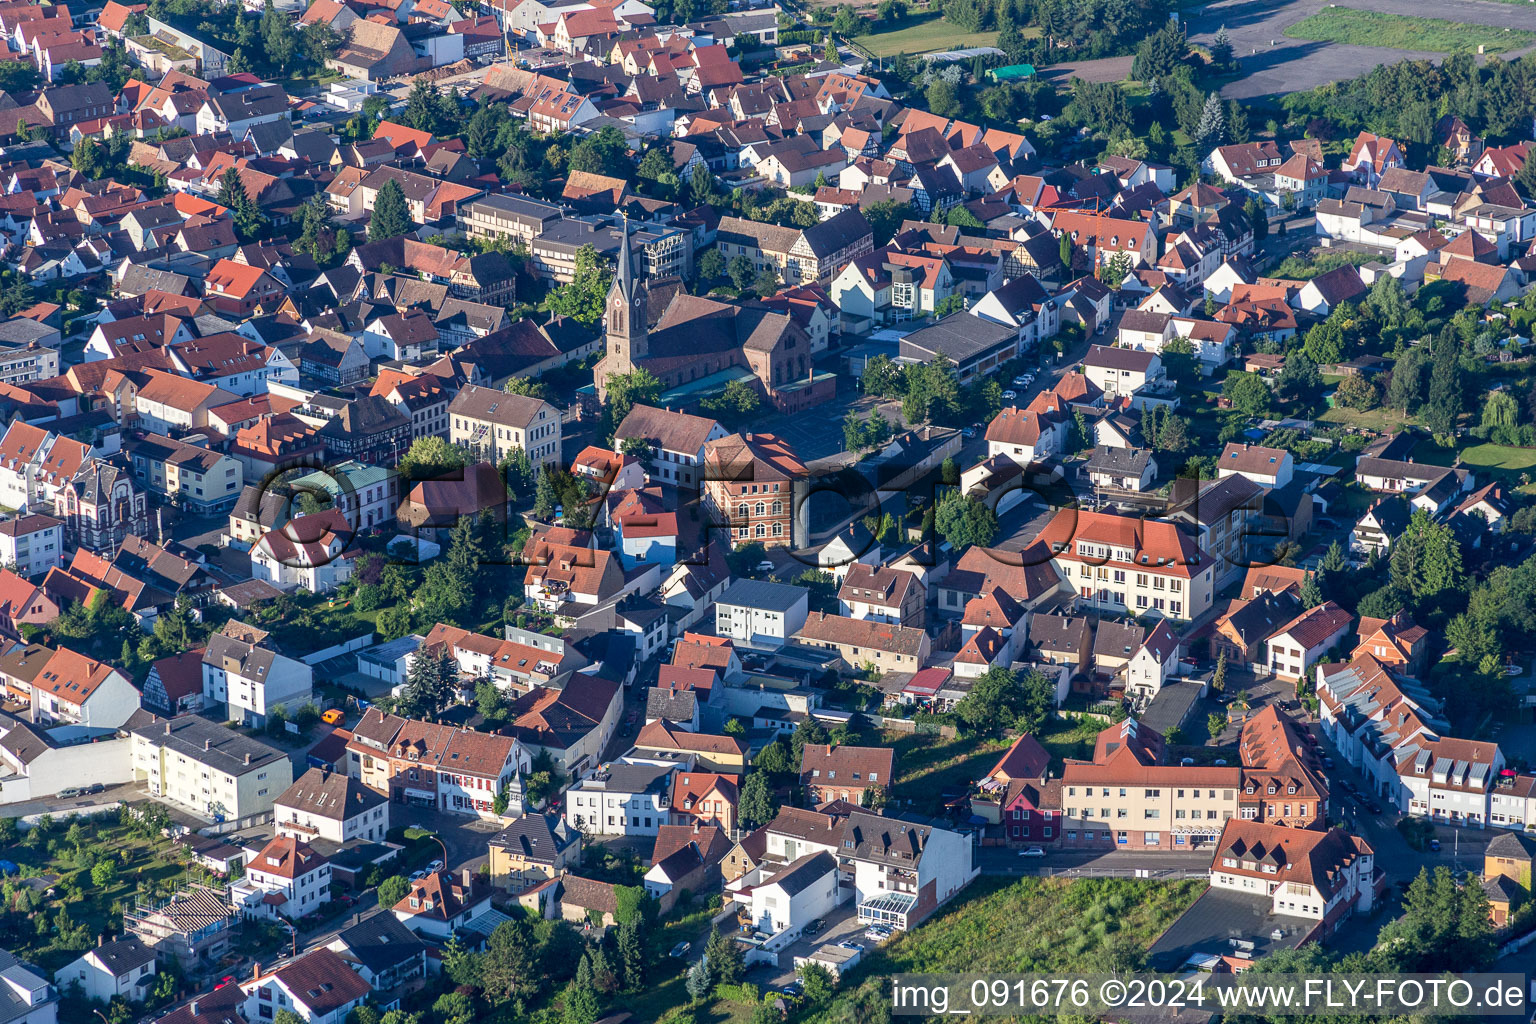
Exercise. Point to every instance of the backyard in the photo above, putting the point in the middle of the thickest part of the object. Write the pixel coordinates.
(1401, 32)
(930, 769)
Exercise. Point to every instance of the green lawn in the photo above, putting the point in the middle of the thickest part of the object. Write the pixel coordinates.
(1377, 419)
(1398, 31)
(1499, 459)
(928, 36)
(927, 766)
(1025, 926)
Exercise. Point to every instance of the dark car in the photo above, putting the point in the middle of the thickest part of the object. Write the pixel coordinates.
(1434, 844)
(97, 787)
(814, 927)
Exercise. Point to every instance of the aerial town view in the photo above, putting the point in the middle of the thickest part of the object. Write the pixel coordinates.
(767, 511)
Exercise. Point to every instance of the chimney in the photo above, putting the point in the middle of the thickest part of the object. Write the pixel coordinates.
(101, 940)
(208, 745)
(247, 758)
(167, 728)
(469, 878)
(255, 970)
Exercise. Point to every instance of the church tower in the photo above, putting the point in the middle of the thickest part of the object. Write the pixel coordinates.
(628, 338)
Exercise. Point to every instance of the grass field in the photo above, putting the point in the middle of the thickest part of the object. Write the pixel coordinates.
(1378, 419)
(1398, 31)
(928, 36)
(1499, 459)
(1028, 925)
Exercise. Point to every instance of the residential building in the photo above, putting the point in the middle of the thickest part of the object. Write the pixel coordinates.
(845, 772)
(73, 689)
(678, 444)
(319, 987)
(494, 422)
(427, 764)
(333, 807)
(119, 969)
(751, 487)
(533, 849)
(889, 647)
(621, 800)
(243, 672)
(33, 543)
(207, 769)
(759, 613)
(285, 878)
(1321, 875)
(1119, 564)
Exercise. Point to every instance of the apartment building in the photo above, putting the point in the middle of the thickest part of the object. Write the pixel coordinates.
(678, 442)
(426, 764)
(197, 477)
(506, 216)
(1124, 565)
(245, 674)
(494, 422)
(202, 767)
(622, 800)
(332, 806)
(1125, 798)
(1323, 876)
(32, 543)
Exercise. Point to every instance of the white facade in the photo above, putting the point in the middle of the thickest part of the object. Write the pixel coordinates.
(760, 626)
(101, 980)
(33, 551)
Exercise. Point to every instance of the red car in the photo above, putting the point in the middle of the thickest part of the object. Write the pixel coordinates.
(224, 981)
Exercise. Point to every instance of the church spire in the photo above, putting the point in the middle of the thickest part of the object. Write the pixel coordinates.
(627, 337)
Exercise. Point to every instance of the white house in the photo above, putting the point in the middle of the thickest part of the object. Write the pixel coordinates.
(1267, 467)
(760, 613)
(621, 800)
(1154, 662)
(903, 872)
(440, 904)
(1307, 873)
(306, 553)
(1299, 644)
(32, 999)
(32, 543)
(319, 986)
(122, 968)
(241, 672)
(75, 690)
(803, 891)
(286, 879)
(1121, 371)
(331, 806)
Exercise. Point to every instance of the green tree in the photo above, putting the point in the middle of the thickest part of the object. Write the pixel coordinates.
(429, 683)
(104, 873)
(1221, 49)
(389, 218)
(247, 216)
(583, 298)
(430, 457)
(1215, 724)
(1002, 699)
(1356, 391)
(727, 961)
(624, 392)
(757, 804)
(393, 889)
(632, 904)
(710, 267)
(963, 521)
(1247, 392)
(817, 983)
(632, 956)
(943, 98)
(774, 759)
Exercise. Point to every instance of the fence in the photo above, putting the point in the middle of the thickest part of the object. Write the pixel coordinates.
(357, 643)
(1090, 871)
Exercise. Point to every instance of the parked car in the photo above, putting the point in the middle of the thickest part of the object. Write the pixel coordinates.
(765, 566)
(332, 717)
(1010, 395)
(794, 988)
(1434, 844)
(814, 927)
(680, 950)
(1032, 851)
(97, 787)
(436, 865)
(1021, 381)
(1327, 761)
(68, 794)
(969, 432)
(877, 932)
